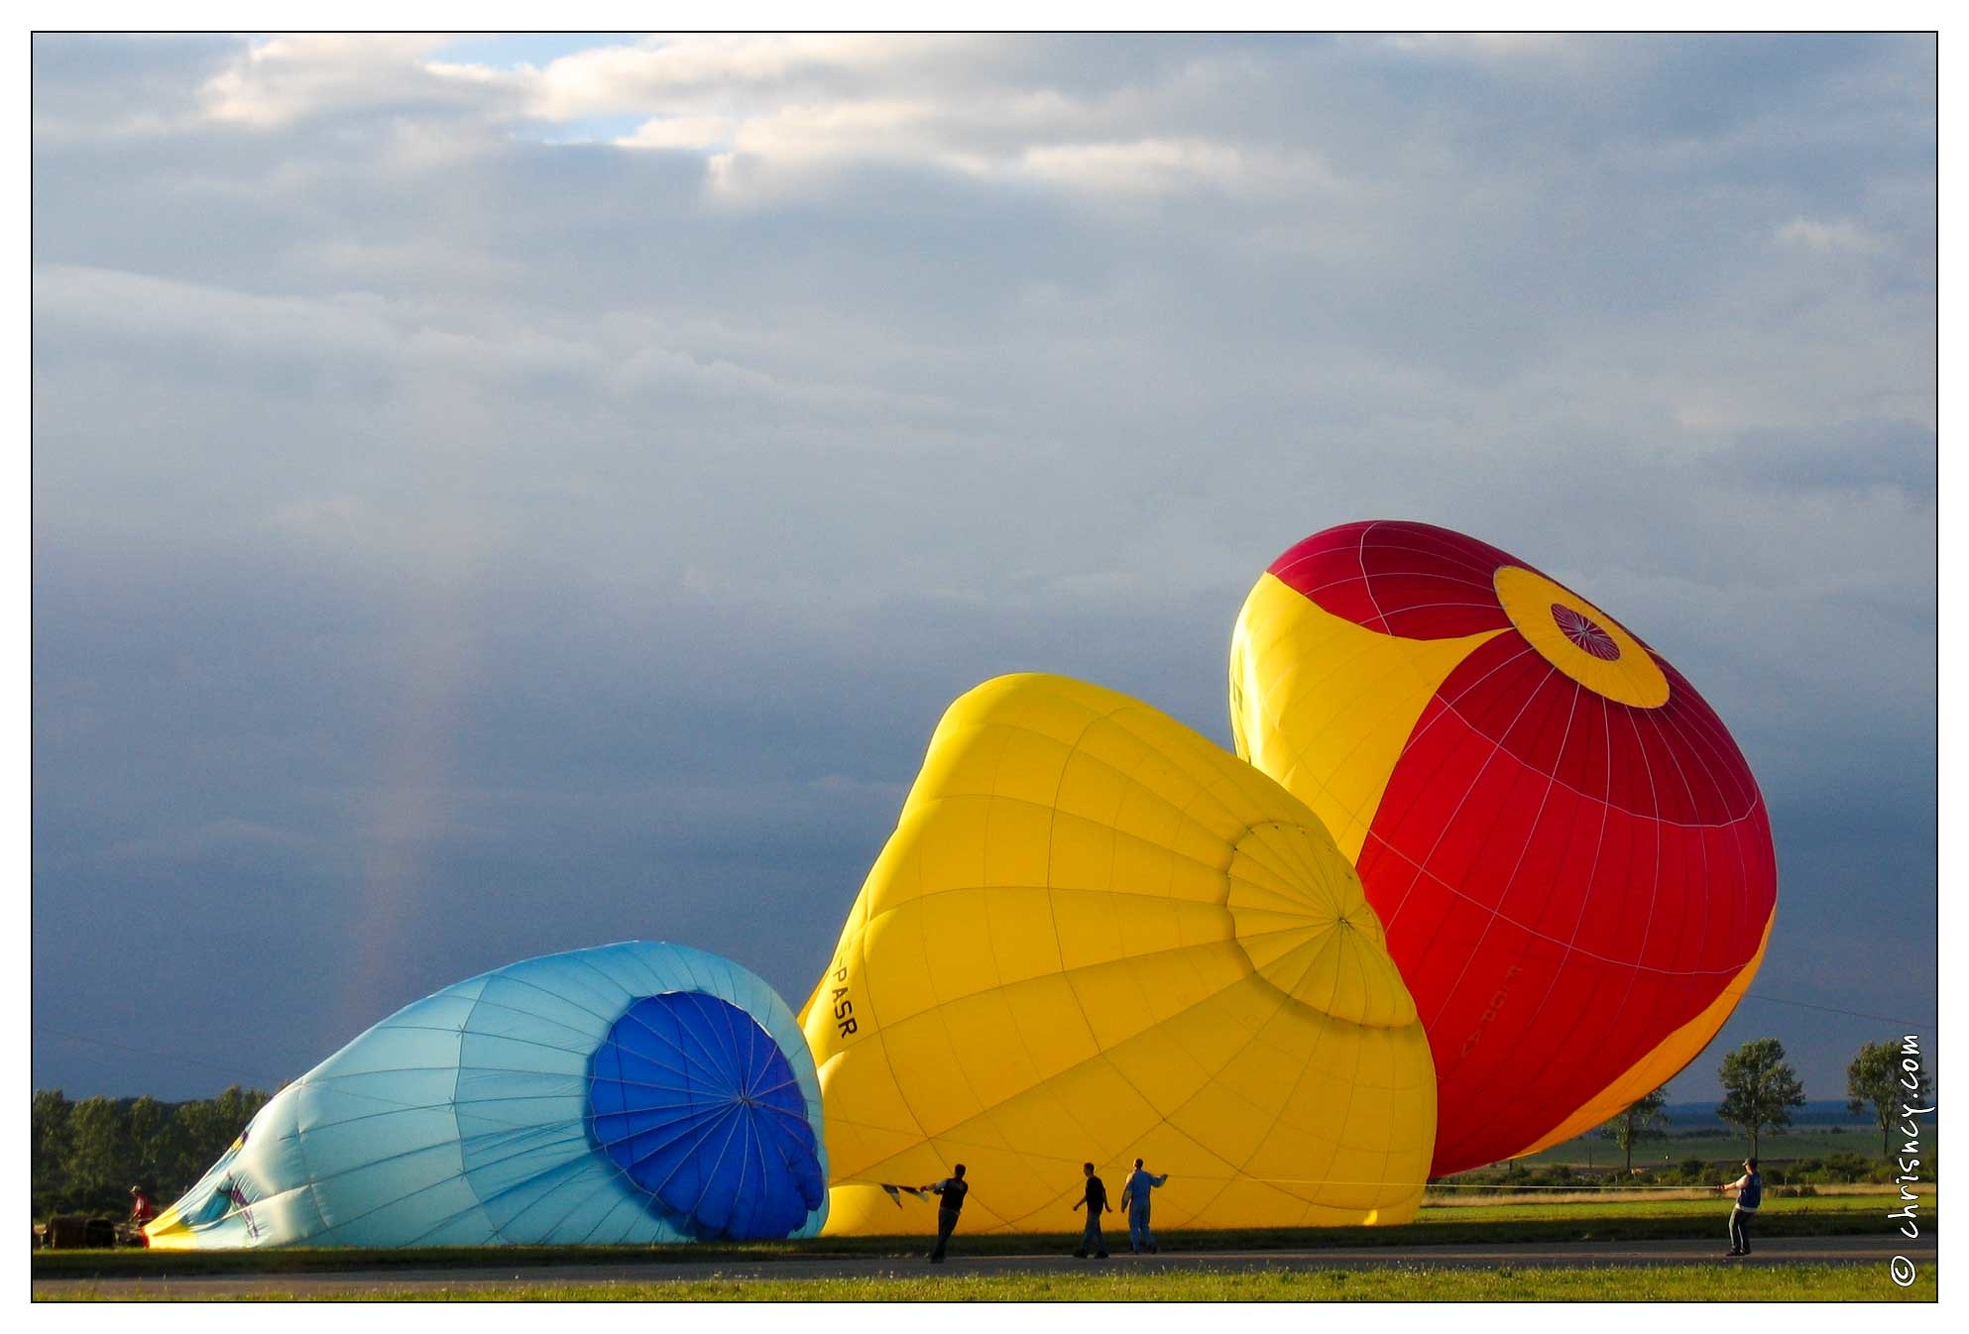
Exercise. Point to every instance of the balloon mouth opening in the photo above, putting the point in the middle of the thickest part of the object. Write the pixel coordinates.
(695, 1103)
(1300, 916)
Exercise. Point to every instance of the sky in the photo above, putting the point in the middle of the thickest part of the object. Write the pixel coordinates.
(501, 495)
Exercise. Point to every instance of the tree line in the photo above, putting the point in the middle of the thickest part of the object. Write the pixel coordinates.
(88, 1154)
(1760, 1088)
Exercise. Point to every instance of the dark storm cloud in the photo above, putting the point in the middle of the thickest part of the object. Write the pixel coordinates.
(665, 771)
(1844, 458)
(454, 543)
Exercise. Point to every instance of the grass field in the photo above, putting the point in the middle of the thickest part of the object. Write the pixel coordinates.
(1596, 1154)
(1391, 1283)
(1639, 1217)
(1439, 1205)
(1851, 1208)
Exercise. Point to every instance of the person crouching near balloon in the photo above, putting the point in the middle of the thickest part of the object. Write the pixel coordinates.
(951, 1191)
(1750, 1193)
(142, 1211)
(1135, 1199)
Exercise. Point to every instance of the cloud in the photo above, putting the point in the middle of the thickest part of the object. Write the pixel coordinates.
(563, 489)
(704, 133)
(165, 313)
(96, 86)
(1843, 457)
(1828, 237)
(613, 80)
(767, 113)
(280, 80)
(210, 842)
(1160, 166)
(1476, 46)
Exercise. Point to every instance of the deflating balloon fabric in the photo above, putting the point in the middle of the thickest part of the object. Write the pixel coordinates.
(1096, 935)
(635, 1093)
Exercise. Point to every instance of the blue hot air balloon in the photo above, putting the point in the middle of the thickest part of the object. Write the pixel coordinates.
(633, 1093)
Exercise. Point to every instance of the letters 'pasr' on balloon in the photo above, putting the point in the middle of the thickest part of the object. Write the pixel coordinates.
(1569, 852)
(1096, 935)
(633, 1093)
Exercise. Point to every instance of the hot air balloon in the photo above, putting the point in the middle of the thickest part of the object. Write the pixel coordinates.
(1095, 936)
(1570, 855)
(633, 1093)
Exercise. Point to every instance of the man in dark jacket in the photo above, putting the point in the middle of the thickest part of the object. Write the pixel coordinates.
(1095, 1201)
(952, 1190)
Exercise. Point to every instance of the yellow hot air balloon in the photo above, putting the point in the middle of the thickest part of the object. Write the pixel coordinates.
(1095, 935)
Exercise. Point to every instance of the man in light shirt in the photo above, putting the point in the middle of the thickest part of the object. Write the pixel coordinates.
(1135, 1199)
(1750, 1193)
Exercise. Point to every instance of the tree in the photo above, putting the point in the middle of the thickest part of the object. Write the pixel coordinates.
(99, 1165)
(155, 1141)
(1876, 1077)
(204, 1130)
(1646, 1119)
(52, 1139)
(1759, 1088)
(87, 1155)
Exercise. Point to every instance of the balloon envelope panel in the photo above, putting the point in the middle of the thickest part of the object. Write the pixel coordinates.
(633, 1093)
(1572, 858)
(1094, 936)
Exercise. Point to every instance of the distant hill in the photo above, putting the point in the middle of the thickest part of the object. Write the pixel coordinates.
(1821, 1112)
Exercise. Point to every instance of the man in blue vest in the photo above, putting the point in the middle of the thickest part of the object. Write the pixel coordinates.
(952, 1189)
(1750, 1193)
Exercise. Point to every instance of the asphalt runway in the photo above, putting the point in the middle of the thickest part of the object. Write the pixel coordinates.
(410, 1283)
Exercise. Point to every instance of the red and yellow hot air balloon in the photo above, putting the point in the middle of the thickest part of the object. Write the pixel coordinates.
(1570, 855)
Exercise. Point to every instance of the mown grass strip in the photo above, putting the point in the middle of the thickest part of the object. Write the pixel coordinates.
(1500, 1224)
(1392, 1283)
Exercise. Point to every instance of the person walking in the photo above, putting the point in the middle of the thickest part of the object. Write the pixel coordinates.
(950, 1192)
(1095, 1201)
(1750, 1193)
(1135, 1199)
